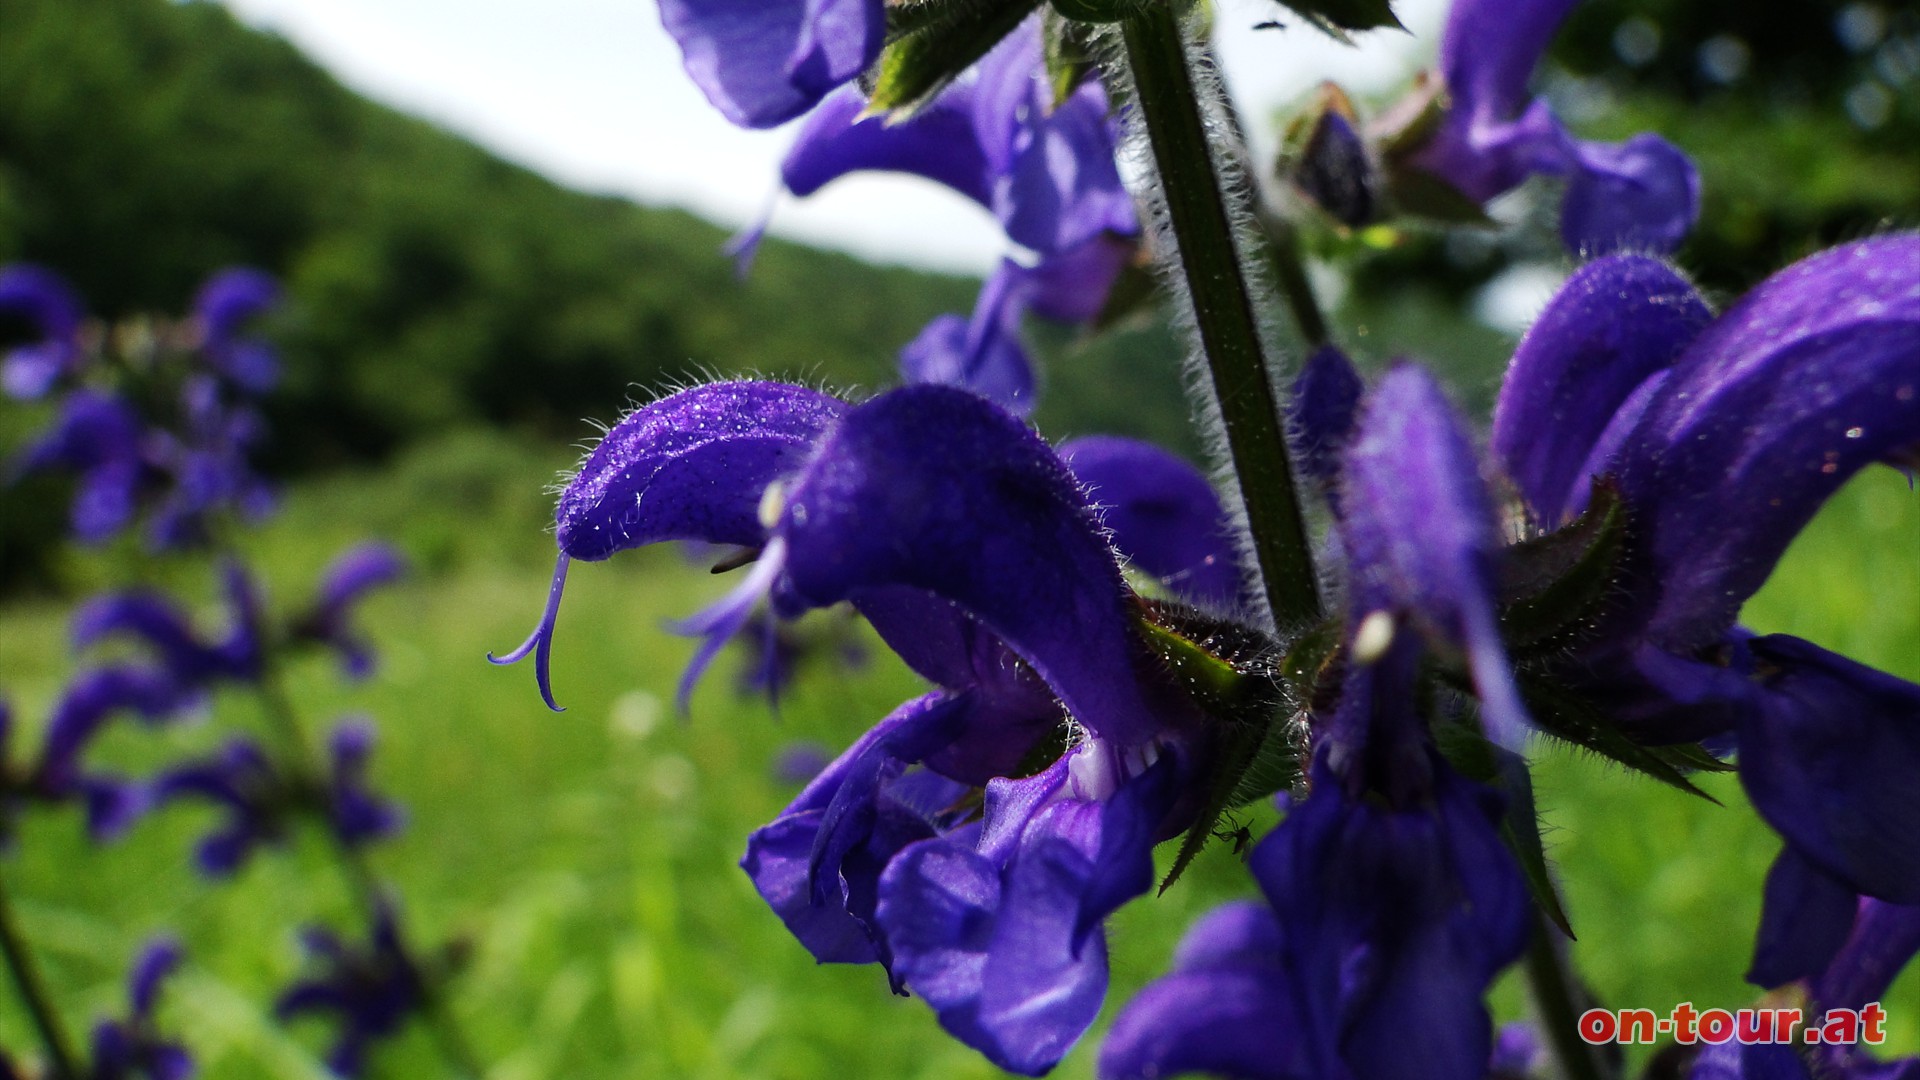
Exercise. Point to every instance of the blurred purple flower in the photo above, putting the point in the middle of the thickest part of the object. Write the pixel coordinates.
(1048, 172)
(1640, 194)
(132, 1048)
(343, 585)
(229, 300)
(42, 299)
(370, 990)
(190, 660)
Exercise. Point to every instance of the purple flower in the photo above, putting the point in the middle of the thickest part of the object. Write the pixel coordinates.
(94, 697)
(371, 990)
(1392, 901)
(1642, 193)
(191, 661)
(1046, 171)
(229, 300)
(1724, 435)
(764, 62)
(102, 440)
(971, 548)
(343, 585)
(261, 799)
(41, 298)
(130, 1048)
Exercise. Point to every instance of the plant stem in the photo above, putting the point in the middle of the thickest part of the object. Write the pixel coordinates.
(1223, 309)
(33, 993)
(1290, 274)
(1557, 999)
(353, 863)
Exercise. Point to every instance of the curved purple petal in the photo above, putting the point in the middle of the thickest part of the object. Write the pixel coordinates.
(1638, 195)
(1809, 378)
(935, 489)
(90, 701)
(1489, 49)
(1071, 285)
(355, 572)
(818, 865)
(1614, 324)
(938, 143)
(691, 466)
(231, 297)
(763, 62)
(1164, 515)
(156, 962)
(1828, 758)
(1420, 535)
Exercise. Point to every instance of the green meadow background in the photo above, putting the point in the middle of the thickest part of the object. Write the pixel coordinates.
(450, 316)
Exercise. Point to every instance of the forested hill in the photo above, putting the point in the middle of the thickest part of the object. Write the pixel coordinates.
(144, 143)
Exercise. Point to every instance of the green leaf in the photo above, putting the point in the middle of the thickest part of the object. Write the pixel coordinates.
(1553, 587)
(1336, 17)
(930, 42)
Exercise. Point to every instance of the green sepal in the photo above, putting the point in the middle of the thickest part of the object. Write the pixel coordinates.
(929, 44)
(1336, 17)
(1565, 715)
(1229, 672)
(1069, 55)
(1553, 587)
(1478, 759)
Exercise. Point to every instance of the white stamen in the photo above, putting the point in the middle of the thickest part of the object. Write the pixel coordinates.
(773, 503)
(1374, 637)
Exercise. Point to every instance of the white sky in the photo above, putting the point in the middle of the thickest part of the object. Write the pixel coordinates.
(591, 93)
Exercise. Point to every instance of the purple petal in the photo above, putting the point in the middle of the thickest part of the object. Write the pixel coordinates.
(42, 298)
(992, 952)
(1395, 921)
(1055, 180)
(1489, 49)
(691, 466)
(1615, 323)
(1164, 516)
(1244, 1022)
(155, 963)
(935, 489)
(1071, 285)
(818, 865)
(1812, 376)
(1322, 409)
(1803, 922)
(1827, 759)
(92, 699)
(1419, 531)
(938, 144)
(984, 354)
(354, 573)
(1884, 938)
(1639, 195)
(1733, 1061)
(231, 297)
(763, 62)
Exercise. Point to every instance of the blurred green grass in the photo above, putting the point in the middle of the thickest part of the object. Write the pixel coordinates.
(589, 857)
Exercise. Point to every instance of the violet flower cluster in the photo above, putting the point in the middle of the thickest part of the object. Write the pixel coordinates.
(157, 423)
(1104, 675)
